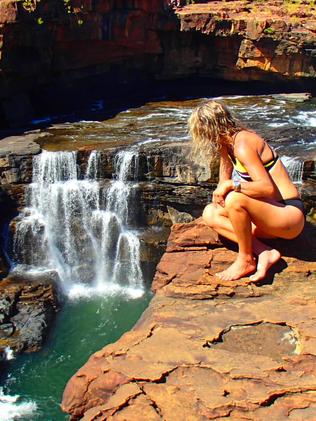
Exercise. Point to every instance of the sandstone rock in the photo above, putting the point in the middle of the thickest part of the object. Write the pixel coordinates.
(207, 349)
(273, 42)
(8, 11)
(27, 309)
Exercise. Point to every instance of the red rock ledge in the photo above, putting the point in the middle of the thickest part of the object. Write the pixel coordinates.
(210, 350)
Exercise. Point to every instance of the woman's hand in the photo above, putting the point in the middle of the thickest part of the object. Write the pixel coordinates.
(221, 191)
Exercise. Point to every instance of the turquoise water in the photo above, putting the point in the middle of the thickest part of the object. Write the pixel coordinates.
(82, 327)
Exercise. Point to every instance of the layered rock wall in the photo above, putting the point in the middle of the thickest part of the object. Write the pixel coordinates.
(102, 45)
(53, 45)
(252, 40)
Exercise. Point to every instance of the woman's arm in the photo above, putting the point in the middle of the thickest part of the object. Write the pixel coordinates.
(224, 182)
(226, 166)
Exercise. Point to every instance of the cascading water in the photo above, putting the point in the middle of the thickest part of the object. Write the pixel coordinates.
(11, 408)
(294, 167)
(94, 165)
(78, 229)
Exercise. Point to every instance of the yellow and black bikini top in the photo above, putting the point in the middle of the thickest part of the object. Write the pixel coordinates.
(241, 170)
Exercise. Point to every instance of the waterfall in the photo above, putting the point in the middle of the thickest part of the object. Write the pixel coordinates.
(94, 165)
(76, 228)
(294, 167)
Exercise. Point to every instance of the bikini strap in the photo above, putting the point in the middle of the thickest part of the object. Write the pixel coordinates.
(274, 154)
(232, 158)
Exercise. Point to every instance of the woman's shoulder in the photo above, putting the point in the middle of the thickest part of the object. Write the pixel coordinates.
(248, 145)
(247, 139)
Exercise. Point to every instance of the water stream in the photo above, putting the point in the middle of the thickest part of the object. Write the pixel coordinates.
(80, 230)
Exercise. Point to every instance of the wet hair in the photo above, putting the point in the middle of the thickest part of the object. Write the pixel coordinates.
(211, 127)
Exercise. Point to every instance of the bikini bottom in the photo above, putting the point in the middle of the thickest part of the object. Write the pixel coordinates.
(294, 202)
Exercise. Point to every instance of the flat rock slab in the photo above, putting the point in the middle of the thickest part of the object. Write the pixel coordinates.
(272, 340)
(20, 145)
(206, 349)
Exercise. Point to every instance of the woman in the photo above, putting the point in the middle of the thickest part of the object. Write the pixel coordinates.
(259, 201)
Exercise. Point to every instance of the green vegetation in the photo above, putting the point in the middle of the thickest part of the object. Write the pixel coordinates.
(292, 7)
(31, 6)
(269, 30)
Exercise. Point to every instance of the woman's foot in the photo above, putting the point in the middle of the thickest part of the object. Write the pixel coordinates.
(265, 260)
(240, 268)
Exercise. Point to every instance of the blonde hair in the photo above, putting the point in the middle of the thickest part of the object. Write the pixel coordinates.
(211, 126)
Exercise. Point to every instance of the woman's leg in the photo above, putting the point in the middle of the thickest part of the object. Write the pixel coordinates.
(270, 219)
(217, 218)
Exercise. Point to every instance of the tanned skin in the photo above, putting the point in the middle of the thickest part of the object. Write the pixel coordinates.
(254, 213)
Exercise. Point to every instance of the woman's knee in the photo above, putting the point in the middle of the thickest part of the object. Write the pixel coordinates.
(212, 215)
(209, 215)
(235, 200)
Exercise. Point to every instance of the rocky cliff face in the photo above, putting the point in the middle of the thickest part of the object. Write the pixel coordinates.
(16, 163)
(256, 40)
(27, 309)
(60, 44)
(207, 349)
(107, 47)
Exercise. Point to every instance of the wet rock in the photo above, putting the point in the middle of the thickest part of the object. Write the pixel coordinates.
(27, 310)
(6, 330)
(157, 196)
(295, 97)
(208, 349)
(153, 242)
(16, 167)
(179, 217)
(308, 194)
(309, 171)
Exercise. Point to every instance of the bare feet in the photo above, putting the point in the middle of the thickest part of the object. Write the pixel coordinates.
(265, 260)
(241, 267)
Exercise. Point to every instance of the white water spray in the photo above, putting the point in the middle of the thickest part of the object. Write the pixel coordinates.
(72, 226)
(8, 353)
(11, 408)
(294, 167)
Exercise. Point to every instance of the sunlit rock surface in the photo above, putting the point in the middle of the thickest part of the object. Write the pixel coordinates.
(207, 349)
(255, 38)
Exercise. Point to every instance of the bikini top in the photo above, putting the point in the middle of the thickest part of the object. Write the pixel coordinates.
(241, 170)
